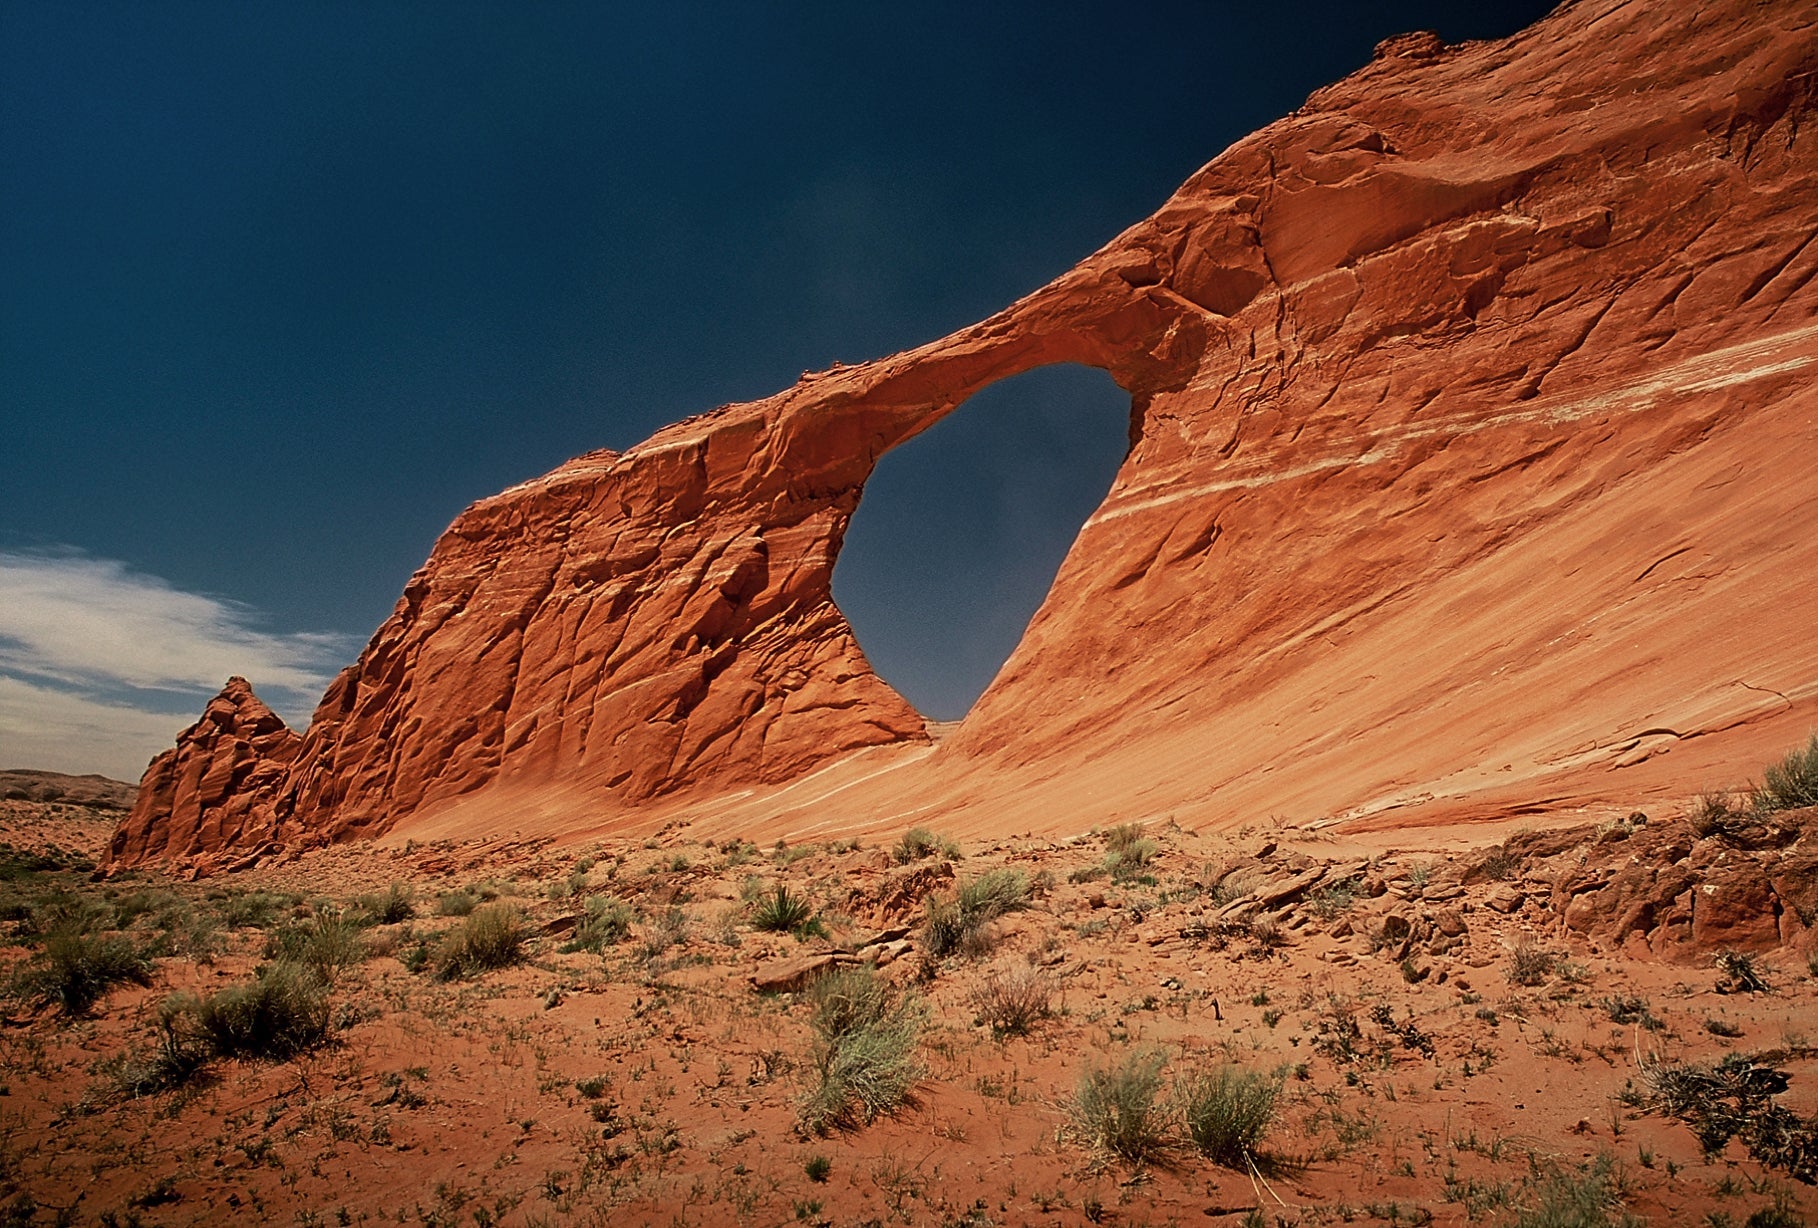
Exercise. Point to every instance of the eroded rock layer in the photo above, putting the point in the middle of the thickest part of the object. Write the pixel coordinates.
(1473, 416)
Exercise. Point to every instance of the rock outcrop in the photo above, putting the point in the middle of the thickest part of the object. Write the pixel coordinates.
(1472, 417)
(213, 790)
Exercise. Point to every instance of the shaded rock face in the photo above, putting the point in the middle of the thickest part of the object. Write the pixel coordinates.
(1472, 409)
(213, 790)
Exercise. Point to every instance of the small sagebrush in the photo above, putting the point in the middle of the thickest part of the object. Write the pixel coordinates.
(1790, 784)
(492, 937)
(1531, 965)
(281, 1012)
(457, 903)
(957, 922)
(388, 907)
(607, 922)
(1128, 851)
(76, 969)
(920, 842)
(1013, 999)
(1588, 1198)
(1227, 1112)
(327, 943)
(865, 1050)
(1116, 1107)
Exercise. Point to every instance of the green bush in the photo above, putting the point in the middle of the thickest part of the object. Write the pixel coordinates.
(607, 923)
(281, 1012)
(492, 937)
(1115, 1107)
(1227, 1112)
(1791, 784)
(780, 910)
(326, 943)
(388, 907)
(76, 969)
(865, 1059)
(1128, 851)
(1588, 1198)
(457, 903)
(920, 842)
(958, 922)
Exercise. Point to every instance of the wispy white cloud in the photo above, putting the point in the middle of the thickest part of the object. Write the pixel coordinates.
(60, 731)
(101, 665)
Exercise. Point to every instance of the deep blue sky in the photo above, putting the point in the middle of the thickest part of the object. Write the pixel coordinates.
(285, 286)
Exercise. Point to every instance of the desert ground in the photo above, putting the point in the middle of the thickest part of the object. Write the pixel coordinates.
(1137, 1025)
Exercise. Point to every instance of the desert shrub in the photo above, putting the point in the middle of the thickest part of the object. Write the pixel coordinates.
(1227, 1111)
(457, 903)
(255, 910)
(1531, 965)
(864, 1058)
(942, 928)
(1629, 1010)
(1790, 784)
(1739, 973)
(920, 842)
(76, 969)
(1331, 900)
(818, 1167)
(178, 1052)
(1116, 1107)
(388, 907)
(1014, 999)
(1716, 813)
(490, 937)
(607, 922)
(1736, 1099)
(1500, 863)
(1588, 1198)
(326, 943)
(1128, 851)
(668, 930)
(992, 894)
(958, 921)
(781, 910)
(282, 1011)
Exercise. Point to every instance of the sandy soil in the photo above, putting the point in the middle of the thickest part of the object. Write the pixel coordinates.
(649, 1082)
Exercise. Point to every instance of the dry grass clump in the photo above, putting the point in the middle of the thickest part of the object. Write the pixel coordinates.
(1128, 851)
(864, 1059)
(1531, 965)
(1013, 999)
(920, 842)
(1736, 1098)
(1227, 1112)
(388, 907)
(326, 943)
(1588, 1198)
(492, 937)
(75, 970)
(1116, 1107)
(281, 1012)
(607, 922)
(957, 922)
(1791, 784)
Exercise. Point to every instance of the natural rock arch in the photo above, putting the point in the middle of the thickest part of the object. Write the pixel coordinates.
(960, 530)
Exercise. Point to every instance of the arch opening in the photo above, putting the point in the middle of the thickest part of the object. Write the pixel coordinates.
(960, 531)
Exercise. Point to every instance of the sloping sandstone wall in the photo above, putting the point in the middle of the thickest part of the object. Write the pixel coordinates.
(1473, 416)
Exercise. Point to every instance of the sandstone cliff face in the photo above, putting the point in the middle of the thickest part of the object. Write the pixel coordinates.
(1473, 409)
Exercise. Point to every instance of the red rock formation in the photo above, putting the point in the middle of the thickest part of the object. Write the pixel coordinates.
(1472, 416)
(213, 790)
